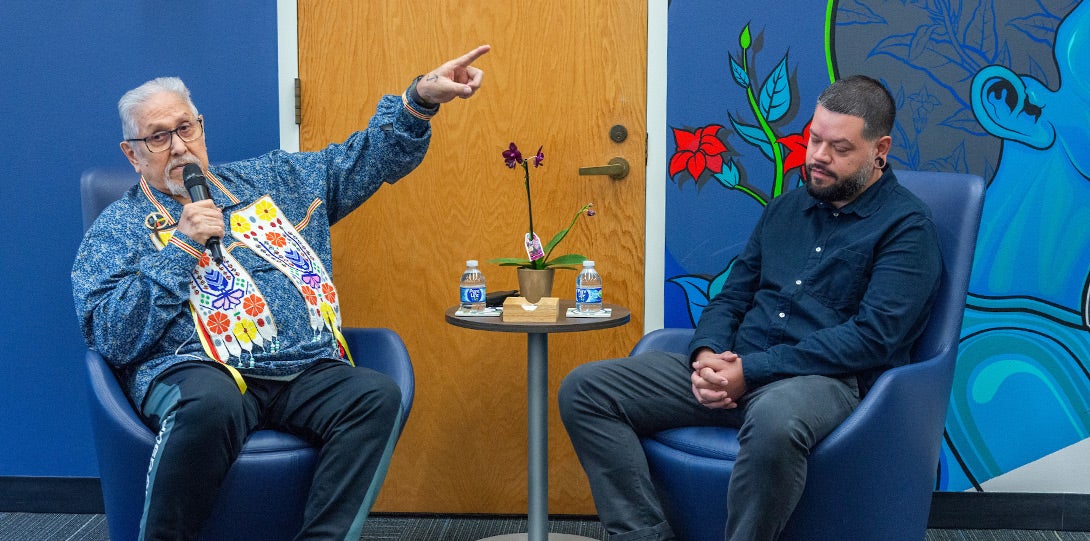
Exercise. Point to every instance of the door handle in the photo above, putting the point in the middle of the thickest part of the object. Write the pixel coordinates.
(617, 169)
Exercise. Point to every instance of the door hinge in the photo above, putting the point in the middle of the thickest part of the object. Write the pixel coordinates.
(298, 102)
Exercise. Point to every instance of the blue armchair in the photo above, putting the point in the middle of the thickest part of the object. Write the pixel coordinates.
(265, 491)
(872, 478)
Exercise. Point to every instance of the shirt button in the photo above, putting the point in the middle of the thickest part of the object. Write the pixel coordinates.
(836, 215)
(818, 249)
(798, 282)
(783, 315)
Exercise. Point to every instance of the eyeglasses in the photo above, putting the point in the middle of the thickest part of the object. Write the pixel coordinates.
(161, 140)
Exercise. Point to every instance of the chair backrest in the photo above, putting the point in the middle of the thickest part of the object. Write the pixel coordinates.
(956, 201)
(101, 186)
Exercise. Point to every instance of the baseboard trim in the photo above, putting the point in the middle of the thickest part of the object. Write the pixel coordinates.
(1010, 511)
(79, 495)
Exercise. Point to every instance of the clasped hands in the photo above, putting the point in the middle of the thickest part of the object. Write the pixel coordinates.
(717, 380)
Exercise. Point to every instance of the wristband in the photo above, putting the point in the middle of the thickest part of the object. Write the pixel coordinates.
(416, 97)
(415, 104)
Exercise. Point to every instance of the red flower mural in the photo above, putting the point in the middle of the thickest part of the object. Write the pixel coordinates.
(698, 151)
(795, 144)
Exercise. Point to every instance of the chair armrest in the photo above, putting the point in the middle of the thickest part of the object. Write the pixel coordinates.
(112, 412)
(899, 422)
(905, 404)
(671, 340)
(383, 350)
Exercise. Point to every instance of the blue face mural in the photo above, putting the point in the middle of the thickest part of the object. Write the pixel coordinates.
(1022, 389)
(981, 86)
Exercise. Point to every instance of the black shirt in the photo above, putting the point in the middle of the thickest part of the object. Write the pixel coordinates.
(821, 290)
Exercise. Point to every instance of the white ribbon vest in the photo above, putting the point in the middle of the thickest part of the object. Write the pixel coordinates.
(231, 315)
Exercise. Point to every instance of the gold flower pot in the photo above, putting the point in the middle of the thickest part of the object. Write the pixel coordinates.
(535, 283)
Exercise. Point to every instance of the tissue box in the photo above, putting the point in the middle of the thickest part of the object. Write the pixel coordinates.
(517, 309)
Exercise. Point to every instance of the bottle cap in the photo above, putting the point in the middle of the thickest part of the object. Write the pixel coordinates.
(471, 263)
(588, 262)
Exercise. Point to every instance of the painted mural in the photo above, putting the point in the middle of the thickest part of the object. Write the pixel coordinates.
(996, 88)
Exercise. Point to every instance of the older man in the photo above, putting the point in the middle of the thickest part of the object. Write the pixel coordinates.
(212, 350)
(833, 287)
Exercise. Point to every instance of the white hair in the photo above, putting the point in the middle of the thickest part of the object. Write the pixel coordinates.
(133, 99)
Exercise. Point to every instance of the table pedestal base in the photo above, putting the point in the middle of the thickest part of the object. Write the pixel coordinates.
(537, 401)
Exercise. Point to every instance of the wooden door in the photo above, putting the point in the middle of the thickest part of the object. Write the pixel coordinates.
(560, 75)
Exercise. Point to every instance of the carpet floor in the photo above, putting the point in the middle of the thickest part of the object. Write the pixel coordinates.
(65, 527)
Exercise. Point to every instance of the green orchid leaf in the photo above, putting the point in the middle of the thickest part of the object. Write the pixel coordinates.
(560, 236)
(510, 262)
(566, 259)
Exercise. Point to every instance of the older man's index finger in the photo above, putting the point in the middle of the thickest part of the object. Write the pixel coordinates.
(469, 57)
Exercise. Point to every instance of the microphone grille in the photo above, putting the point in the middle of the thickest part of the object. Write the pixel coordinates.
(192, 175)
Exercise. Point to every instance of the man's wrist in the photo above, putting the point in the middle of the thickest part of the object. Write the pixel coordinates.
(414, 94)
(417, 105)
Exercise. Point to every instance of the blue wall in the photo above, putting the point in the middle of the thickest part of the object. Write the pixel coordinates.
(64, 66)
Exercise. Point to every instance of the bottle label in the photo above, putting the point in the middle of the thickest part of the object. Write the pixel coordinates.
(473, 294)
(590, 295)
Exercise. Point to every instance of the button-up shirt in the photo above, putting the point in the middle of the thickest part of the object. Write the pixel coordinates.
(827, 291)
(132, 299)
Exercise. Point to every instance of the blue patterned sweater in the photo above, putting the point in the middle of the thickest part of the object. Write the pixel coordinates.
(132, 299)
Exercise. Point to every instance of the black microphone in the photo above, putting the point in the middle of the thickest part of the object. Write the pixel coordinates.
(197, 186)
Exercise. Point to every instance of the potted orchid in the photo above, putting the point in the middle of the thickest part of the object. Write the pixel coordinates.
(538, 257)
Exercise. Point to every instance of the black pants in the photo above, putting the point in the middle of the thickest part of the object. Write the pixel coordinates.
(608, 405)
(202, 421)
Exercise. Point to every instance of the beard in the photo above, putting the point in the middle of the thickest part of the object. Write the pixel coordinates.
(843, 188)
(175, 187)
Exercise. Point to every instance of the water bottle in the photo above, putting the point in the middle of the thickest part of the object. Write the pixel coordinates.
(588, 289)
(472, 288)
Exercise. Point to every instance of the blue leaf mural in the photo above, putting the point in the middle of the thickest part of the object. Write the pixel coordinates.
(776, 93)
(739, 74)
(752, 135)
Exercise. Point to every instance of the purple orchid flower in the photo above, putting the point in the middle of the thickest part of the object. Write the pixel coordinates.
(512, 156)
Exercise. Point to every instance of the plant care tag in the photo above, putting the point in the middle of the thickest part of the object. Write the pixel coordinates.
(533, 248)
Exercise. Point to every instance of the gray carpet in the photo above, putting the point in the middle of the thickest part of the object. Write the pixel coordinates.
(51, 527)
(56, 527)
(1005, 535)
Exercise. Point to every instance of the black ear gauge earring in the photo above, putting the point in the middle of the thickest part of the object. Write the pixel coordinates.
(880, 161)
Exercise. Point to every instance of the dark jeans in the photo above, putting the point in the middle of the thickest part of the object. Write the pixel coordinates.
(202, 421)
(608, 405)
